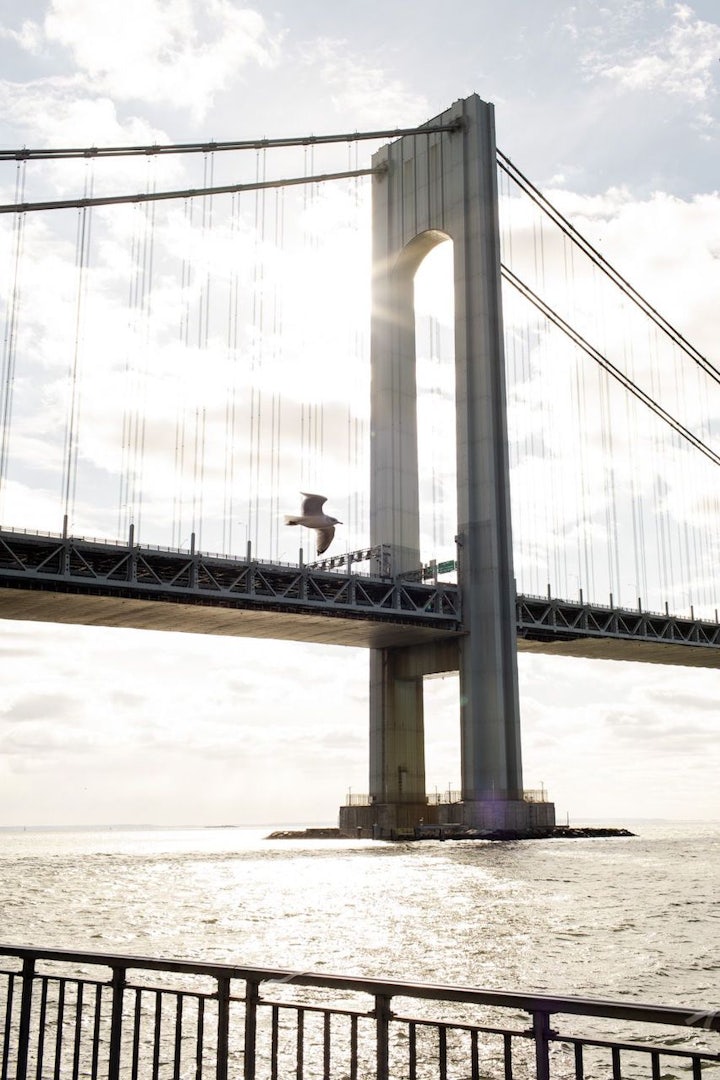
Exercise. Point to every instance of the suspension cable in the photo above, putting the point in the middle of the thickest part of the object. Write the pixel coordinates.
(9, 347)
(601, 262)
(213, 147)
(185, 193)
(616, 373)
(72, 421)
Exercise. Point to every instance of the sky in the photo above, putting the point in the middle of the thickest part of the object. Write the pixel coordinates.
(611, 108)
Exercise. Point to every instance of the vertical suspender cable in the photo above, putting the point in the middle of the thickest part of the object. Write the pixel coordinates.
(633, 468)
(72, 424)
(124, 511)
(144, 305)
(276, 402)
(139, 332)
(704, 508)
(146, 313)
(319, 410)
(687, 488)
(304, 405)
(232, 350)
(203, 333)
(181, 411)
(348, 419)
(659, 474)
(255, 441)
(9, 354)
(546, 417)
(354, 359)
(609, 488)
(698, 531)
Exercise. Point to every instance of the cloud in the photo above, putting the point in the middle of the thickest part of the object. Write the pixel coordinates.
(362, 92)
(680, 62)
(41, 706)
(28, 37)
(62, 111)
(149, 50)
(655, 731)
(125, 752)
(173, 52)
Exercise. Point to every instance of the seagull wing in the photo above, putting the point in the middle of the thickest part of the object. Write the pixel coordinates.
(324, 538)
(312, 504)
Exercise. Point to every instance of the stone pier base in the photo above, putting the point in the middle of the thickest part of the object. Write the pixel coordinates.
(406, 821)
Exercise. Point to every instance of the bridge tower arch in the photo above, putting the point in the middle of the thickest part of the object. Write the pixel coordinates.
(434, 187)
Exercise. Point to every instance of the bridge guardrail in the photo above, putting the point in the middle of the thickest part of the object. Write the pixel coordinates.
(442, 798)
(78, 1014)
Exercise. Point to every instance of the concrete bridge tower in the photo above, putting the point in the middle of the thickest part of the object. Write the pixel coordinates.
(437, 187)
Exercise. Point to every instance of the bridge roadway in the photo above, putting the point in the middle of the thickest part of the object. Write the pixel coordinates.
(50, 578)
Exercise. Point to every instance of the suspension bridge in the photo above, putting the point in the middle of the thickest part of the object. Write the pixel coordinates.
(179, 362)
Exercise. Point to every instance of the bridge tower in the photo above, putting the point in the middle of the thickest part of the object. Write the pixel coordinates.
(437, 187)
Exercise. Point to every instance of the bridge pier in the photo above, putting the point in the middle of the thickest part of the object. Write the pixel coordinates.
(434, 188)
(397, 734)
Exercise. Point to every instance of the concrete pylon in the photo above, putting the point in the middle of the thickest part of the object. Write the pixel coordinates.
(436, 187)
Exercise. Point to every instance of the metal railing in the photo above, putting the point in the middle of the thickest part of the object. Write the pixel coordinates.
(75, 1014)
(443, 798)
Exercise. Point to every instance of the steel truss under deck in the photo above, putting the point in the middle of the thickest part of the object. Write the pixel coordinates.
(100, 568)
(77, 566)
(543, 619)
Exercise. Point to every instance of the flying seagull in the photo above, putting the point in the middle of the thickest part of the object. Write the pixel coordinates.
(312, 517)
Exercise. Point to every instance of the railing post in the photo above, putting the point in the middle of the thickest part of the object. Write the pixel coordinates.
(223, 1026)
(28, 975)
(383, 1014)
(118, 988)
(542, 1033)
(132, 562)
(252, 996)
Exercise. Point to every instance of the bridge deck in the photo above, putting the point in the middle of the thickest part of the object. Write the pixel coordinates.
(91, 582)
(197, 617)
(94, 583)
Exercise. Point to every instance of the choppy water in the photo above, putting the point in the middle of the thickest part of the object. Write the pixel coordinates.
(635, 918)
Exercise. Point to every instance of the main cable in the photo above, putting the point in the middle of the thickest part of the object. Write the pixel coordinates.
(603, 361)
(212, 147)
(601, 262)
(185, 193)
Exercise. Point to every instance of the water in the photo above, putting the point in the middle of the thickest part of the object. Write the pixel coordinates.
(625, 918)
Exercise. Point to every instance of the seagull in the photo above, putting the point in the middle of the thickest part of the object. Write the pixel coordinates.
(312, 517)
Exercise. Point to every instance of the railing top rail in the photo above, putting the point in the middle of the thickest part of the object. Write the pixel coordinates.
(391, 988)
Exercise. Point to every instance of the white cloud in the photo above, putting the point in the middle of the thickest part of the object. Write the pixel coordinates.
(174, 52)
(645, 733)
(28, 37)
(666, 247)
(69, 739)
(362, 92)
(681, 62)
(60, 112)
